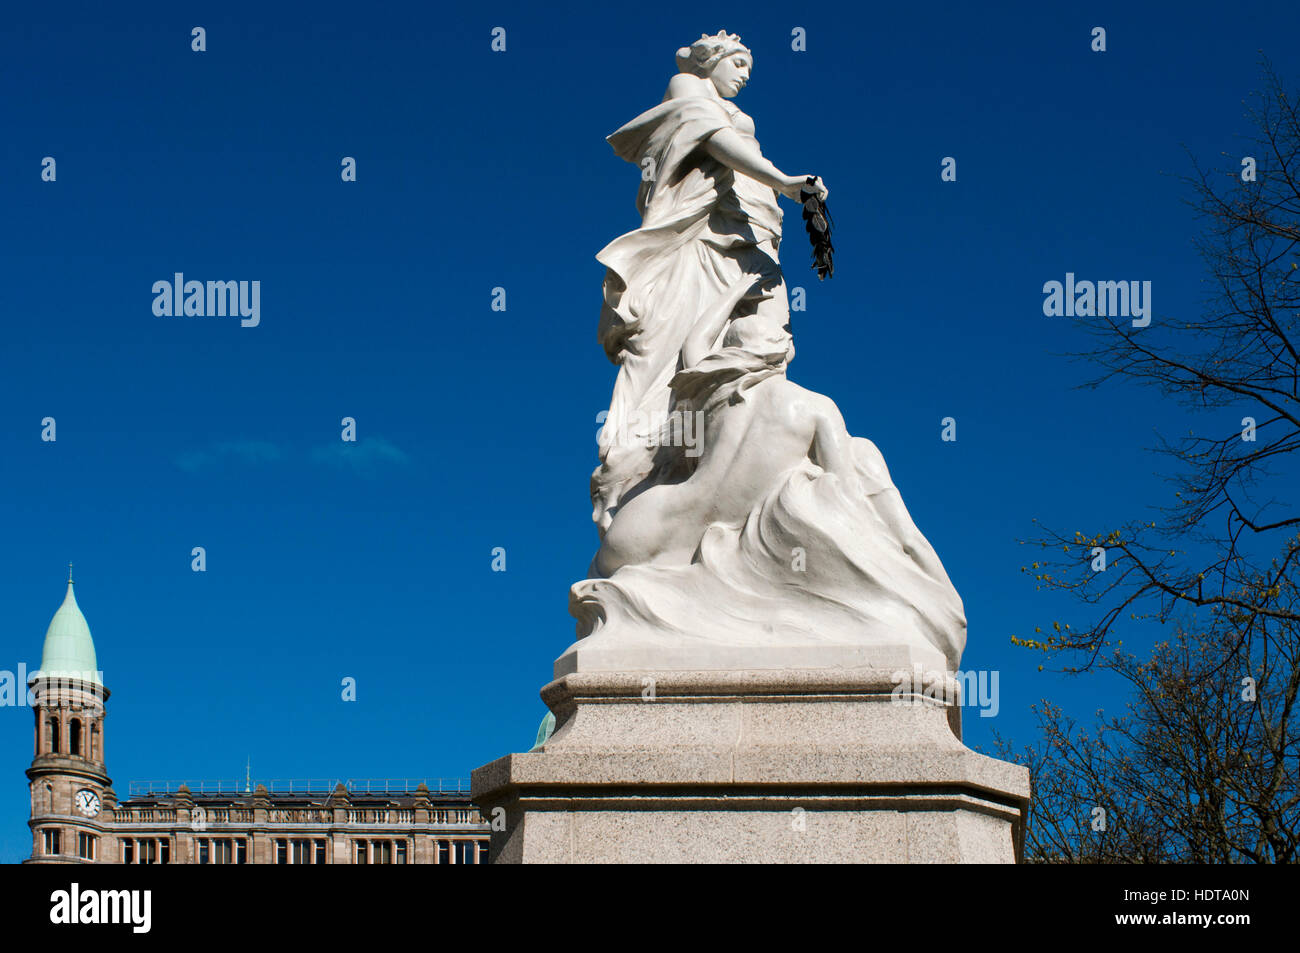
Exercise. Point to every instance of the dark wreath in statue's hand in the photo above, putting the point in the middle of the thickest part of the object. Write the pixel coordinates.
(817, 219)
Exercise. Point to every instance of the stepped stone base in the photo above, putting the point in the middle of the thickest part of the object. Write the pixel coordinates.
(771, 766)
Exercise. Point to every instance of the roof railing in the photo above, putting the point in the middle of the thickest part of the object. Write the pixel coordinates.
(301, 786)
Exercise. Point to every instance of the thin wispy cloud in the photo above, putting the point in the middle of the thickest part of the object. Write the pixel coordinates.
(242, 452)
(363, 456)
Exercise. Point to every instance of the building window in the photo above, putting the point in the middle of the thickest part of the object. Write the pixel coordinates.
(74, 737)
(444, 852)
(219, 851)
(381, 852)
(241, 851)
(483, 851)
(302, 852)
(464, 852)
(401, 852)
(86, 846)
(51, 835)
(146, 850)
(320, 852)
(94, 743)
(281, 851)
(54, 735)
(361, 852)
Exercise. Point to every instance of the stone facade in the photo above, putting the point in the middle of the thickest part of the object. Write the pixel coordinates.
(361, 824)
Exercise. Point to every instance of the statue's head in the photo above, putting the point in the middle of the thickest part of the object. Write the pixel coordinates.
(765, 334)
(721, 58)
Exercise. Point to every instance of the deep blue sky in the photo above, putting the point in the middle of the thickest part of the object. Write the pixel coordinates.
(477, 428)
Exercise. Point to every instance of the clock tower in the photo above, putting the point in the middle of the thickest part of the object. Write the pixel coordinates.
(70, 788)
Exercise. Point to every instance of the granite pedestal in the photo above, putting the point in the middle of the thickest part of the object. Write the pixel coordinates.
(765, 766)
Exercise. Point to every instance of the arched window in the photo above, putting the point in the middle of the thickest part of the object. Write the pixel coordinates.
(74, 737)
(53, 724)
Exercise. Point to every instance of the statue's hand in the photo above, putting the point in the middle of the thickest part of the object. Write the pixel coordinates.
(795, 185)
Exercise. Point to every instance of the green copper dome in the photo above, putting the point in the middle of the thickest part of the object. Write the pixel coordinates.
(69, 649)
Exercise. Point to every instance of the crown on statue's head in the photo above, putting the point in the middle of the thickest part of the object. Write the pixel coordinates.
(702, 55)
(722, 36)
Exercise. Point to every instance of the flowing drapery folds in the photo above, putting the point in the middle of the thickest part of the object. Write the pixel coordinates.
(781, 542)
(703, 229)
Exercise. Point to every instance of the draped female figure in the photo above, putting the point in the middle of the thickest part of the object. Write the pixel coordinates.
(782, 542)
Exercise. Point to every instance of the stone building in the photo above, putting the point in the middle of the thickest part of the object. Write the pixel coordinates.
(76, 817)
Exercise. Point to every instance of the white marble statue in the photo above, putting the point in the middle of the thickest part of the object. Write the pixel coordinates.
(774, 538)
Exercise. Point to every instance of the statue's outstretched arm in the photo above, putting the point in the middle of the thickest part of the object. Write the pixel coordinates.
(736, 152)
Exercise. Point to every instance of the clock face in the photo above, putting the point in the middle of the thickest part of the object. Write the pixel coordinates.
(88, 802)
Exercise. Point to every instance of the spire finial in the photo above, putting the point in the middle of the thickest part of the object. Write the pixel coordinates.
(248, 776)
(69, 574)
